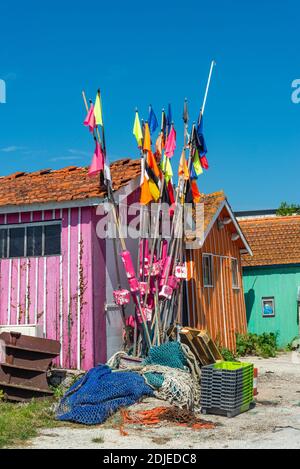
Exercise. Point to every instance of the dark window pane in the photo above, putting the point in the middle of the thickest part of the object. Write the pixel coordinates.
(207, 271)
(3, 243)
(34, 240)
(234, 268)
(16, 242)
(52, 239)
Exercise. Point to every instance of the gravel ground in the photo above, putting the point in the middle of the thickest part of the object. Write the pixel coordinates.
(273, 423)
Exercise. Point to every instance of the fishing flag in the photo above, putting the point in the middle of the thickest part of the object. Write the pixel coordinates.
(166, 168)
(97, 164)
(204, 162)
(154, 191)
(137, 130)
(197, 163)
(195, 192)
(201, 141)
(147, 138)
(170, 190)
(90, 120)
(151, 161)
(183, 171)
(152, 120)
(169, 117)
(98, 110)
(146, 196)
(193, 174)
(159, 144)
(171, 143)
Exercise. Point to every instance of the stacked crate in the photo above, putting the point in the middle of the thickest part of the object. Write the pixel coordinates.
(226, 388)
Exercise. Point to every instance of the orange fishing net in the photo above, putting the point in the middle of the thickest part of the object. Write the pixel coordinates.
(174, 415)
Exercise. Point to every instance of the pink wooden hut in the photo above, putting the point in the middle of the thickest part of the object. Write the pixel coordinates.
(55, 272)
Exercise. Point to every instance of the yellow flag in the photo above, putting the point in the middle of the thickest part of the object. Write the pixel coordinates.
(154, 191)
(197, 164)
(166, 168)
(137, 130)
(98, 111)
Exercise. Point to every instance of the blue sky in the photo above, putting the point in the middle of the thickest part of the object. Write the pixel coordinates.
(156, 52)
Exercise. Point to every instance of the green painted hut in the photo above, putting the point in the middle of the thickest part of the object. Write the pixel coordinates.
(271, 276)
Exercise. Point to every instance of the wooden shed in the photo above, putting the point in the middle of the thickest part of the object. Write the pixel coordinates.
(272, 275)
(215, 289)
(56, 274)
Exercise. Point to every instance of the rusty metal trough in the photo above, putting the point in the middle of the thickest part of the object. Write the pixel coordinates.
(24, 362)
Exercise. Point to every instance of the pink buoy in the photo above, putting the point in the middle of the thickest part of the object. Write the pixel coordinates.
(143, 288)
(128, 264)
(122, 297)
(181, 271)
(166, 292)
(134, 285)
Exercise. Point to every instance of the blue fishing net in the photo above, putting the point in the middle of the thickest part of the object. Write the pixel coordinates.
(168, 354)
(99, 393)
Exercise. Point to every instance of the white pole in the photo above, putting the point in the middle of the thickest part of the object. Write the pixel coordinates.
(213, 63)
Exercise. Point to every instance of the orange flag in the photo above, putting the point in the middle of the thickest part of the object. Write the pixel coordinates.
(195, 192)
(147, 138)
(153, 164)
(146, 196)
(183, 168)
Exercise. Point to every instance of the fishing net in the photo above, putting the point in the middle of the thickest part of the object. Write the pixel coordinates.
(99, 393)
(172, 371)
(172, 415)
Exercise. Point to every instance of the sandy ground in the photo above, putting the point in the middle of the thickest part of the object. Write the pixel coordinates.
(273, 423)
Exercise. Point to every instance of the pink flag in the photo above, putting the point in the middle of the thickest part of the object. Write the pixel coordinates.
(97, 164)
(90, 120)
(170, 143)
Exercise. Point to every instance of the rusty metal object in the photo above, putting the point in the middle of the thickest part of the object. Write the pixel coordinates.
(24, 362)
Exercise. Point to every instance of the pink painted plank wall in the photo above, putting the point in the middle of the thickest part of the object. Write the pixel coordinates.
(64, 294)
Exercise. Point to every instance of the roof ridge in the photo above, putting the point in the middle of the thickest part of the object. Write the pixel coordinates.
(270, 218)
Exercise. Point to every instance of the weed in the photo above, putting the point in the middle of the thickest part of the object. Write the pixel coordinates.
(98, 439)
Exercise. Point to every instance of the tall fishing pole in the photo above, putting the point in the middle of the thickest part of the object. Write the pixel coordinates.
(191, 152)
(117, 224)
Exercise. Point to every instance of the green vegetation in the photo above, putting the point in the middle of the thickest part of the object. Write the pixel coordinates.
(286, 209)
(19, 422)
(98, 439)
(264, 345)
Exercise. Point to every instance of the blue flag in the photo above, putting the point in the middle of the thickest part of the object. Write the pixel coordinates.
(152, 121)
(193, 174)
(201, 141)
(169, 116)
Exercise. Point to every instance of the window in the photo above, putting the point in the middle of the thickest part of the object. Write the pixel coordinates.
(207, 261)
(268, 307)
(235, 273)
(32, 239)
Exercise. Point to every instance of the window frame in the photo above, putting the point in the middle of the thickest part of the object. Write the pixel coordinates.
(26, 225)
(237, 285)
(270, 299)
(211, 272)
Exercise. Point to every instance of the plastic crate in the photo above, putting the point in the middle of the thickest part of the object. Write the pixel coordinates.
(227, 387)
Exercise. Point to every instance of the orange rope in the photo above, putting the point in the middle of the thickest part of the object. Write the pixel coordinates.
(158, 414)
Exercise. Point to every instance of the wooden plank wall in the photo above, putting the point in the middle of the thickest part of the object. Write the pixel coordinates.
(220, 309)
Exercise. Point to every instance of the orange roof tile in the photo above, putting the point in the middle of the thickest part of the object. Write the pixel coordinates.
(273, 240)
(70, 183)
(212, 203)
